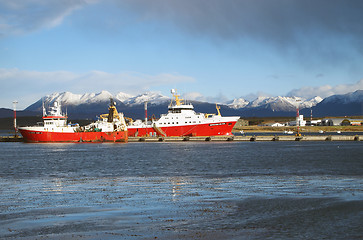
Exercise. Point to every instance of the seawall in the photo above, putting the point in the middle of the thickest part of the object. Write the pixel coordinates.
(11, 139)
(246, 138)
(249, 138)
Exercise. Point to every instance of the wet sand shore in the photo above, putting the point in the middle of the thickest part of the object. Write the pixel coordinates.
(178, 208)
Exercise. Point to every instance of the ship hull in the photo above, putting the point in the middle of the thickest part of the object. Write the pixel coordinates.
(47, 136)
(207, 129)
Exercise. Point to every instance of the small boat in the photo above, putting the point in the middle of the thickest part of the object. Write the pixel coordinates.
(321, 131)
(339, 132)
(110, 127)
(288, 132)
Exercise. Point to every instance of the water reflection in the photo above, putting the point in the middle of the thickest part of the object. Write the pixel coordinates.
(218, 191)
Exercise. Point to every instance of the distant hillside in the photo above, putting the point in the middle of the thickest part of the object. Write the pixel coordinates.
(5, 112)
(350, 104)
(8, 122)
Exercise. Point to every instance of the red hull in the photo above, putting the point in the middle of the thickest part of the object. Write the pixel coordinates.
(213, 129)
(40, 136)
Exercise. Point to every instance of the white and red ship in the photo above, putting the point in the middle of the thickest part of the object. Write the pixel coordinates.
(182, 120)
(110, 127)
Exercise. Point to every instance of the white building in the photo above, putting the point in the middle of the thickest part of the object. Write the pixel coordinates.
(314, 122)
(277, 125)
(299, 121)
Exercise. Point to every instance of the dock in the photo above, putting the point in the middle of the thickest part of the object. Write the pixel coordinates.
(248, 138)
(11, 138)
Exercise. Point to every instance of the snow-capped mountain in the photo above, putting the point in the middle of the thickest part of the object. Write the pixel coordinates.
(284, 102)
(238, 103)
(123, 97)
(91, 104)
(350, 104)
(276, 103)
(68, 98)
(312, 102)
(352, 97)
(150, 97)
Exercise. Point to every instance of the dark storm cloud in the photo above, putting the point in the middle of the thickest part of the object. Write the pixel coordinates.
(278, 21)
(283, 22)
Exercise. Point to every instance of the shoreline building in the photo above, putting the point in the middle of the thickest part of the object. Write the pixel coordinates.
(298, 122)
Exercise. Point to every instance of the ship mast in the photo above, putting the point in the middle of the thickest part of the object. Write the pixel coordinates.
(218, 108)
(178, 101)
(111, 111)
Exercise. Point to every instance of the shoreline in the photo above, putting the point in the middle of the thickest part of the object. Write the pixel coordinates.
(303, 129)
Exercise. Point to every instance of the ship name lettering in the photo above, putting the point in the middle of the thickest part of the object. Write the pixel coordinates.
(216, 124)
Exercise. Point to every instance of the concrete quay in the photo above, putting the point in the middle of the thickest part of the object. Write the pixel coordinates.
(226, 138)
(248, 138)
(11, 139)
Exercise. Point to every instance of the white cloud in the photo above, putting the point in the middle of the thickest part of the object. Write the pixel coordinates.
(326, 90)
(20, 84)
(253, 96)
(195, 96)
(20, 17)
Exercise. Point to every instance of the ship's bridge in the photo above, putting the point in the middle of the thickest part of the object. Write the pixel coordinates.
(179, 104)
(180, 108)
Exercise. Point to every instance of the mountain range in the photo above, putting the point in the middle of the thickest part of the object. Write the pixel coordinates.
(89, 105)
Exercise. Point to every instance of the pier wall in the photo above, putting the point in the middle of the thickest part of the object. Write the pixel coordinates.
(227, 138)
(248, 138)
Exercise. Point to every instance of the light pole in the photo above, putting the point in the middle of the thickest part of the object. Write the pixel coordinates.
(145, 108)
(14, 107)
(298, 118)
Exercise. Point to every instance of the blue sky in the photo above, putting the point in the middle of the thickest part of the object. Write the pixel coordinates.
(207, 49)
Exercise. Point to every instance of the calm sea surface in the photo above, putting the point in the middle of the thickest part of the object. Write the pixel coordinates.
(184, 190)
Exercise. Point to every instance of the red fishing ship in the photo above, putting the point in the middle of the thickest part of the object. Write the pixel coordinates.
(110, 127)
(182, 120)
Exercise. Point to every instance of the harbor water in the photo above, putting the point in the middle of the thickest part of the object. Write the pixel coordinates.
(182, 190)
